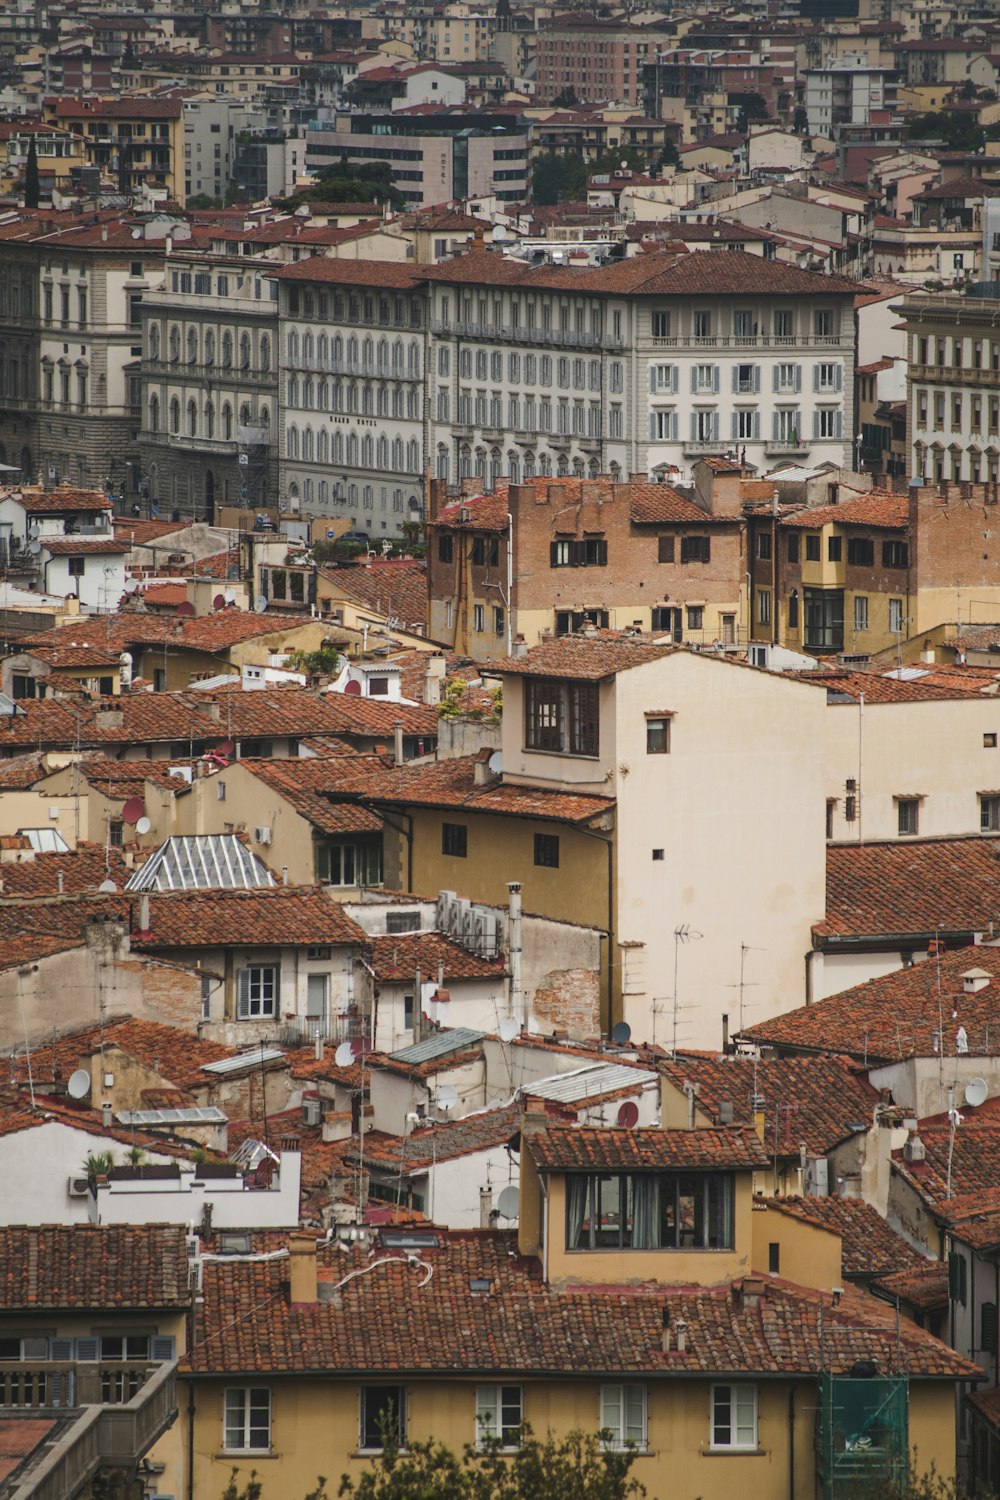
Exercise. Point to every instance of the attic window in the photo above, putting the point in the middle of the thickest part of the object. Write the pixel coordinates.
(234, 1244)
(479, 1284)
(409, 1239)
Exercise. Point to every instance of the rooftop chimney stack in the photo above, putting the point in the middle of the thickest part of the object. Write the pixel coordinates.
(302, 1268)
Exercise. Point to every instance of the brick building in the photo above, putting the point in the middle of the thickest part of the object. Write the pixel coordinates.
(601, 61)
(584, 551)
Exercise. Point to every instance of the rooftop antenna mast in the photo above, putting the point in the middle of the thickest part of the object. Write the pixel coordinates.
(683, 933)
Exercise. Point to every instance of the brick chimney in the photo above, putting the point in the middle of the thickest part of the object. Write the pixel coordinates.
(302, 1268)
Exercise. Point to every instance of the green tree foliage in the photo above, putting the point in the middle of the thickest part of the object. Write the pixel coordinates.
(566, 99)
(958, 131)
(562, 178)
(350, 182)
(32, 184)
(576, 1467)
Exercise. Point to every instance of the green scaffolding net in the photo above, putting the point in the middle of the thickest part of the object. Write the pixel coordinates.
(861, 1433)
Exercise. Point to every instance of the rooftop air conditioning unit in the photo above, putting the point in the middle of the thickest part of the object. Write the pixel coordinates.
(78, 1187)
(312, 1112)
(262, 835)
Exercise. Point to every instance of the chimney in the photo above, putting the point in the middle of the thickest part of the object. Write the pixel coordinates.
(518, 1000)
(143, 913)
(397, 742)
(106, 1114)
(481, 773)
(302, 1268)
(520, 646)
(682, 1330)
(485, 1208)
(666, 1330)
(725, 1031)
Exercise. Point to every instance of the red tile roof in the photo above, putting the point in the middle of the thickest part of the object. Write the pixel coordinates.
(582, 658)
(913, 888)
(304, 784)
(76, 546)
(174, 1055)
(484, 1130)
(818, 1100)
(63, 500)
(392, 1322)
(396, 587)
(878, 508)
(397, 957)
(652, 504)
(973, 1218)
(90, 1267)
(869, 1245)
(577, 1149)
(477, 512)
(987, 1405)
(924, 1287)
(66, 657)
(896, 1015)
(972, 1152)
(278, 916)
(78, 872)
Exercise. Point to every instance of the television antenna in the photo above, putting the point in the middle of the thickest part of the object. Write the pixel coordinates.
(684, 933)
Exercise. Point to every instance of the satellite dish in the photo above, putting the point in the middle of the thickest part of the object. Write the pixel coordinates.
(344, 1055)
(219, 602)
(143, 825)
(226, 748)
(628, 1115)
(446, 1097)
(34, 548)
(976, 1092)
(259, 604)
(353, 688)
(509, 1203)
(133, 810)
(229, 597)
(495, 762)
(185, 607)
(107, 888)
(621, 1033)
(509, 1028)
(78, 1086)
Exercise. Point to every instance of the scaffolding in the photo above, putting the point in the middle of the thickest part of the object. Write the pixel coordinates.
(862, 1437)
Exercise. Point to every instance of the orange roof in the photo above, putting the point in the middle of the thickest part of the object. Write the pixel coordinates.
(877, 508)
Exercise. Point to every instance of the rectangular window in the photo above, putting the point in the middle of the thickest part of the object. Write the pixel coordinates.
(896, 616)
(764, 546)
(989, 814)
(665, 549)
(860, 612)
(907, 816)
(823, 323)
(445, 552)
(498, 620)
(696, 549)
(547, 850)
(455, 840)
(734, 1416)
(485, 551)
(661, 325)
(623, 1415)
(478, 618)
(813, 546)
(649, 1211)
(499, 1414)
(834, 549)
(248, 1419)
(824, 619)
(695, 617)
(895, 554)
(560, 554)
(658, 736)
(383, 1412)
(793, 546)
(763, 606)
(562, 716)
(258, 992)
(702, 325)
(75, 566)
(861, 552)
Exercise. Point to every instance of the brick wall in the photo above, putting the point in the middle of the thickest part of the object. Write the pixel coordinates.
(955, 535)
(569, 1000)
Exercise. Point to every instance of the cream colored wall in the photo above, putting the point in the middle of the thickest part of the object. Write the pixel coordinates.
(964, 606)
(933, 749)
(35, 810)
(250, 803)
(833, 972)
(737, 807)
(808, 1254)
(579, 772)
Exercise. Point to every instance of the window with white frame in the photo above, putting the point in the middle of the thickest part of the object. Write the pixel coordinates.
(828, 377)
(383, 1410)
(787, 377)
(746, 423)
(705, 378)
(499, 1414)
(623, 1415)
(896, 616)
(734, 1416)
(989, 813)
(828, 422)
(663, 426)
(663, 379)
(247, 1426)
(258, 991)
(861, 612)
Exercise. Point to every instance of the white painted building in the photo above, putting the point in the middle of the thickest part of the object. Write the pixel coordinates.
(844, 94)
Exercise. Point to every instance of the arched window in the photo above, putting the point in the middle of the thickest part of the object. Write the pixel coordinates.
(308, 445)
(352, 449)
(175, 344)
(292, 390)
(209, 419)
(336, 396)
(382, 452)
(245, 414)
(154, 341)
(562, 465)
(323, 446)
(192, 416)
(578, 467)
(481, 464)
(264, 416)
(265, 352)
(367, 356)
(397, 453)
(192, 346)
(593, 469)
(382, 401)
(412, 456)
(496, 467)
(323, 349)
(413, 363)
(227, 421)
(397, 400)
(175, 414)
(293, 347)
(154, 413)
(293, 495)
(352, 396)
(352, 353)
(513, 467)
(367, 451)
(465, 462)
(383, 355)
(442, 462)
(338, 352)
(227, 350)
(293, 441)
(397, 357)
(322, 395)
(411, 403)
(209, 347)
(337, 448)
(544, 464)
(307, 350)
(366, 400)
(307, 393)
(244, 351)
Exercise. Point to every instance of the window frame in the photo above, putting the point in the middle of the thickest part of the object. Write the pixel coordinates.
(907, 817)
(455, 840)
(573, 711)
(658, 730)
(736, 1386)
(364, 1428)
(245, 1395)
(546, 845)
(245, 1000)
(622, 1391)
(500, 1398)
(599, 1211)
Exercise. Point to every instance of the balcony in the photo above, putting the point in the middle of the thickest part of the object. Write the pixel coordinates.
(705, 447)
(557, 338)
(785, 446)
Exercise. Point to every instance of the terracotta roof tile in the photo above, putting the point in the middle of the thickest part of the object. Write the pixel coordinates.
(878, 508)
(63, 500)
(973, 1157)
(277, 916)
(869, 1245)
(477, 512)
(174, 1055)
(916, 887)
(82, 870)
(578, 1149)
(397, 957)
(896, 1015)
(422, 1148)
(92, 1267)
(973, 1218)
(658, 503)
(396, 587)
(304, 784)
(924, 1286)
(987, 1404)
(391, 1323)
(75, 546)
(582, 658)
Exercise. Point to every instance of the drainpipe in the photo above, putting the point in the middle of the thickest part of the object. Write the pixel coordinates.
(190, 1441)
(791, 1444)
(590, 834)
(418, 1016)
(518, 1007)
(510, 584)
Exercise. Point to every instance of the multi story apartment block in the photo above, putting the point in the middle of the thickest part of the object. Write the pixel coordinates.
(953, 387)
(137, 140)
(209, 386)
(601, 61)
(486, 367)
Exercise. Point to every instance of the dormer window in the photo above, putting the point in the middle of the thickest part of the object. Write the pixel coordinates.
(562, 717)
(649, 1211)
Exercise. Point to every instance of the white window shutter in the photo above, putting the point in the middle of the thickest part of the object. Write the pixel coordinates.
(816, 374)
(839, 377)
(61, 1349)
(243, 991)
(798, 377)
(734, 434)
(715, 427)
(652, 426)
(736, 378)
(815, 424)
(652, 380)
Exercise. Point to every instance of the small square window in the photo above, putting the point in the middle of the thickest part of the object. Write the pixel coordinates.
(908, 816)
(547, 850)
(657, 736)
(659, 854)
(989, 741)
(455, 840)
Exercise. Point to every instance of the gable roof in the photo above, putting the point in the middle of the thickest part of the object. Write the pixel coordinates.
(583, 658)
(878, 509)
(916, 888)
(585, 1149)
(282, 916)
(90, 1267)
(869, 1245)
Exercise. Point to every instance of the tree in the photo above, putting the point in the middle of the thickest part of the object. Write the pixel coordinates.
(350, 182)
(566, 98)
(954, 128)
(32, 185)
(576, 1467)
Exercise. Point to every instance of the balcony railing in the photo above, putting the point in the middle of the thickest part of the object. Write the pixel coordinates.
(785, 445)
(57, 1384)
(563, 338)
(710, 446)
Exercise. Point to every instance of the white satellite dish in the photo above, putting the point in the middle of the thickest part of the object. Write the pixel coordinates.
(976, 1092)
(78, 1086)
(344, 1055)
(509, 1203)
(230, 596)
(499, 234)
(259, 604)
(107, 888)
(143, 825)
(495, 763)
(509, 1028)
(34, 547)
(446, 1097)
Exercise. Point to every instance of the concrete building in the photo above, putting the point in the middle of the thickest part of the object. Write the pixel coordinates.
(953, 387)
(601, 61)
(843, 95)
(134, 141)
